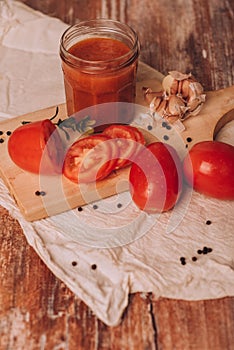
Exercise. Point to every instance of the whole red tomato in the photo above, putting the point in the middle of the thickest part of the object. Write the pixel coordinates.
(156, 178)
(36, 147)
(209, 168)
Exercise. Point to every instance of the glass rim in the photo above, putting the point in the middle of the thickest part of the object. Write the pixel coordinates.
(89, 25)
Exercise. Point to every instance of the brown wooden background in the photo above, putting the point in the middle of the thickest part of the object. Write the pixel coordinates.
(191, 35)
(37, 311)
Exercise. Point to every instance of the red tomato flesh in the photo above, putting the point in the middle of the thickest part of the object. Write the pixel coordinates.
(127, 138)
(37, 147)
(209, 169)
(90, 159)
(156, 178)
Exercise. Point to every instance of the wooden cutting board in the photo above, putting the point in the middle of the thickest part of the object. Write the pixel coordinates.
(60, 195)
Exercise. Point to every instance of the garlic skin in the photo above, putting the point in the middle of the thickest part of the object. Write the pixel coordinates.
(182, 96)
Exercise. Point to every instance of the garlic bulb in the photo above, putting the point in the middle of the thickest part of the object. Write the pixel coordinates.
(182, 96)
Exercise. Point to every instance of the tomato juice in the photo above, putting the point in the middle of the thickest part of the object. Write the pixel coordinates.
(100, 66)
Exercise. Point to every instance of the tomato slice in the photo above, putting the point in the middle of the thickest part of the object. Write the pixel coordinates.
(90, 159)
(127, 138)
(138, 134)
(37, 147)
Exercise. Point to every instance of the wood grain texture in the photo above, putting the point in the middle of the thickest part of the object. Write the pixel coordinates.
(197, 37)
(37, 311)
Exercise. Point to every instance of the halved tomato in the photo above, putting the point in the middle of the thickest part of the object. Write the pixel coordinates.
(37, 147)
(127, 139)
(90, 159)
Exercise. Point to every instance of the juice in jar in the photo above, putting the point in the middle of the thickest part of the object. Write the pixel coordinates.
(99, 65)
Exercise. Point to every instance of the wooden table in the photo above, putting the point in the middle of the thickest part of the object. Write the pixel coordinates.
(37, 311)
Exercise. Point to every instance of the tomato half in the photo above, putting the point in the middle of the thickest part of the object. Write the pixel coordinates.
(126, 138)
(37, 147)
(209, 168)
(156, 178)
(90, 159)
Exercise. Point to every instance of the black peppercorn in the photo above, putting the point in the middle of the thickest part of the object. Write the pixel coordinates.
(208, 222)
(183, 260)
(40, 193)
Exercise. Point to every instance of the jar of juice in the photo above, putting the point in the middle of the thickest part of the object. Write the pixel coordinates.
(99, 62)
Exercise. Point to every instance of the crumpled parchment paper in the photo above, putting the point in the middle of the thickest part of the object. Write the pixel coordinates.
(109, 249)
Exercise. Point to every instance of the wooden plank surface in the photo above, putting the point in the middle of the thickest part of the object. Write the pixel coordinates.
(39, 312)
(197, 38)
(36, 310)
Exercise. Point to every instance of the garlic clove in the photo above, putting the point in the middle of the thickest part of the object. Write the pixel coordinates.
(174, 105)
(195, 109)
(178, 75)
(193, 104)
(162, 107)
(170, 85)
(154, 104)
(195, 90)
(185, 88)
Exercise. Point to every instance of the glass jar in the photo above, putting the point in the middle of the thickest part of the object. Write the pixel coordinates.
(99, 62)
